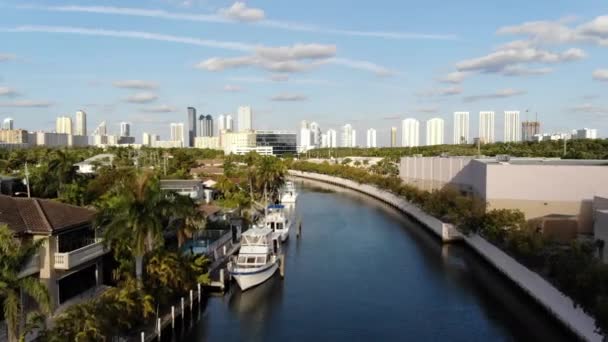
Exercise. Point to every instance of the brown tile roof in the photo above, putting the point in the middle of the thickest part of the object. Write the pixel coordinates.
(34, 215)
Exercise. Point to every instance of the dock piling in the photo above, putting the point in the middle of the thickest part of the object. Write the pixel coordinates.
(172, 316)
(198, 286)
(222, 278)
(191, 300)
(282, 265)
(182, 309)
(143, 336)
(159, 327)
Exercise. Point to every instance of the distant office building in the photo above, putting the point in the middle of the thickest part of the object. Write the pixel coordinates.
(233, 141)
(169, 143)
(102, 129)
(81, 123)
(410, 133)
(191, 127)
(245, 118)
(48, 139)
(207, 142)
(529, 129)
(435, 132)
(393, 136)
(586, 133)
(14, 136)
(229, 123)
(348, 136)
(125, 129)
(332, 138)
(486, 127)
(371, 138)
(146, 139)
(177, 132)
(512, 125)
(461, 128)
(324, 140)
(63, 125)
(315, 129)
(306, 136)
(8, 124)
(282, 142)
(205, 126)
(551, 137)
(225, 122)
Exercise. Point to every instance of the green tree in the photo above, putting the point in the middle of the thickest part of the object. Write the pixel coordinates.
(13, 257)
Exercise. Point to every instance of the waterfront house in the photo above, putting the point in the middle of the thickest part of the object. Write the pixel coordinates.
(71, 260)
(89, 166)
(192, 188)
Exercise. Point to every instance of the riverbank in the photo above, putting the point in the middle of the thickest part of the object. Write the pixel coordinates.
(555, 302)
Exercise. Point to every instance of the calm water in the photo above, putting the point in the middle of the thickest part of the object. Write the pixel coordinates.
(364, 272)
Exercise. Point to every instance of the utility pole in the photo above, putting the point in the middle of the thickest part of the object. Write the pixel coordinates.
(27, 180)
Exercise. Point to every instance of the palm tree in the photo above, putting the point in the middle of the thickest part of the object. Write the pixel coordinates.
(62, 167)
(186, 217)
(271, 175)
(13, 257)
(134, 215)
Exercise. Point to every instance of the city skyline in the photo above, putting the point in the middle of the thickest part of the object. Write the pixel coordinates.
(373, 81)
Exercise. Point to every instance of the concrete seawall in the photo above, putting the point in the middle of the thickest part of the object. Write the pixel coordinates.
(555, 302)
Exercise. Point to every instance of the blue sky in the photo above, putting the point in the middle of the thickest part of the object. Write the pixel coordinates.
(368, 63)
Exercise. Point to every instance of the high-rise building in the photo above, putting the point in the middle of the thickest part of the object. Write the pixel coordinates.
(245, 118)
(8, 124)
(585, 133)
(324, 142)
(125, 129)
(306, 136)
(486, 127)
(101, 130)
(81, 123)
(177, 132)
(529, 129)
(229, 123)
(347, 136)
(512, 125)
(316, 134)
(63, 125)
(393, 136)
(146, 139)
(281, 142)
(371, 138)
(461, 128)
(410, 133)
(332, 138)
(189, 142)
(205, 126)
(221, 123)
(435, 132)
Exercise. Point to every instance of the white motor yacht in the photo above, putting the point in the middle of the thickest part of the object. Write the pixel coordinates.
(289, 193)
(258, 257)
(279, 220)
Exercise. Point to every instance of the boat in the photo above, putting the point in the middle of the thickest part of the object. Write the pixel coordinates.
(278, 220)
(258, 257)
(289, 193)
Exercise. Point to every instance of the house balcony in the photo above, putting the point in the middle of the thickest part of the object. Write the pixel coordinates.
(71, 259)
(32, 266)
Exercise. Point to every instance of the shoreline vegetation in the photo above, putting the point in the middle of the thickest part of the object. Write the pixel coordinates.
(572, 268)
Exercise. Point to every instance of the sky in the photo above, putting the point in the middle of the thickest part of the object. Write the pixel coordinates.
(367, 63)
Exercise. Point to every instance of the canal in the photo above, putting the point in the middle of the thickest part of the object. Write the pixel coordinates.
(362, 271)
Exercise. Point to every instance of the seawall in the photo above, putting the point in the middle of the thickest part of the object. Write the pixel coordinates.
(555, 302)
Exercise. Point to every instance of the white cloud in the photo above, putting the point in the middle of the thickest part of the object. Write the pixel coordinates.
(241, 16)
(504, 93)
(135, 84)
(232, 88)
(289, 98)
(240, 12)
(220, 64)
(7, 91)
(447, 91)
(600, 75)
(159, 109)
(590, 109)
(142, 98)
(297, 51)
(362, 65)
(27, 104)
(4, 57)
(519, 70)
(455, 77)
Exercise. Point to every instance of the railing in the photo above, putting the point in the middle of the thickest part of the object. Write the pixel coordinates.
(31, 267)
(68, 260)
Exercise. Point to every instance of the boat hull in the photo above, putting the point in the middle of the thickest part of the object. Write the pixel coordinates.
(249, 279)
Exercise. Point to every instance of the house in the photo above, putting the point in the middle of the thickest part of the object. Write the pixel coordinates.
(186, 187)
(71, 260)
(89, 166)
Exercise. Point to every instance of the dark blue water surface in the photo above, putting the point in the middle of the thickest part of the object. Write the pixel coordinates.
(362, 271)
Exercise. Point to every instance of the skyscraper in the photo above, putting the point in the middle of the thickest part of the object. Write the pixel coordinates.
(229, 125)
(371, 138)
(81, 123)
(461, 127)
(146, 139)
(332, 140)
(208, 126)
(486, 127)
(125, 129)
(410, 133)
(393, 136)
(529, 129)
(348, 136)
(8, 123)
(434, 132)
(245, 118)
(354, 139)
(306, 136)
(63, 125)
(177, 132)
(316, 134)
(512, 124)
(221, 123)
(191, 126)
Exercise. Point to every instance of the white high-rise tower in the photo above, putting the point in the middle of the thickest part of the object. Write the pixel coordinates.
(332, 140)
(177, 132)
(434, 131)
(461, 128)
(410, 133)
(8, 123)
(81, 123)
(371, 138)
(64, 125)
(245, 118)
(348, 136)
(486, 127)
(512, 126)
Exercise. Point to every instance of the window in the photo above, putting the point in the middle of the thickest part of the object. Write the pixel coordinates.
(279, 226)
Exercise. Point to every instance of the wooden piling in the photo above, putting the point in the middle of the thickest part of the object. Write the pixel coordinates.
(198, 286)
(182, 309)
(222, 278)
(172, 316)
(143, 336)
(282, 265)
(159, 327)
